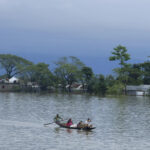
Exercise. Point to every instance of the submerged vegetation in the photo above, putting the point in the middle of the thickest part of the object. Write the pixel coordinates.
(70, 70)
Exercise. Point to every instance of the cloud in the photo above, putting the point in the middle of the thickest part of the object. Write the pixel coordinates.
(75, 15)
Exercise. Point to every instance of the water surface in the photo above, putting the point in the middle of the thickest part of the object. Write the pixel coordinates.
(122, 123)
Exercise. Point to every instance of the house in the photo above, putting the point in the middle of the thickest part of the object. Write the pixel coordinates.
(9, 85)
(76, 87)
(13, 80)
(139, 90)
(4, 81)
(33, 86)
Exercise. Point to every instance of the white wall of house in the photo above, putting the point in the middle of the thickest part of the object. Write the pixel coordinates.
(139, 93)
(139, 90)
(13, 80)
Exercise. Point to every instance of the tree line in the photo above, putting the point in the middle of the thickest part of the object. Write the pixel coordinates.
(70, 70)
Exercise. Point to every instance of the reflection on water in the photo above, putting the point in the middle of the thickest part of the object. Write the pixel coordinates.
(122, 123)
(59, 130)
(69, 130)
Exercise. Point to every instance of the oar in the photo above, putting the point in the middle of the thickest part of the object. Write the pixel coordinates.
(54, 122)
(49, 123)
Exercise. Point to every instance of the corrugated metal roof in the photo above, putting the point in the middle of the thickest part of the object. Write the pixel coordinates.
(138, 88)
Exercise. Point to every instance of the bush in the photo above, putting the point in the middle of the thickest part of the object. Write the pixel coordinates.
(116, 89)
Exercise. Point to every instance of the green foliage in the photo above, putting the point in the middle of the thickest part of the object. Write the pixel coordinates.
(102, 85)
(123, 73)
(86, 76)
(120, 54)
(98, 85)
(116, 89)
(42, 75)
(93, 85)
(145, 68)
(110, 80)
(13, 65)
(87, 73)
(39, 74)
(135, 75)
(68, 70)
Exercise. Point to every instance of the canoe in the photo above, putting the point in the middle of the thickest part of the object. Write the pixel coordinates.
(63, 125)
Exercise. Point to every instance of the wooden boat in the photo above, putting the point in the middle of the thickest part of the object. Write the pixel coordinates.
(63, 125)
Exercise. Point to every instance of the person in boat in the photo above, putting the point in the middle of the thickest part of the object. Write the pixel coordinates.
(57, 118)
(88, 123)
(69, 123)
(80, 124)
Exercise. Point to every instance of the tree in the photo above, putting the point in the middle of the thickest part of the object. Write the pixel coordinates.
(145, 68)
(40, 74)
(86, 76)
(117, 88)
(43, 76)
(120, 54)
(102, 85)
(68, 70)
(93, 85)
(110, 80)
(13, 65)
(135, 75)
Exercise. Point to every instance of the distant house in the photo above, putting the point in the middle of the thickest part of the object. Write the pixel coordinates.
(76, 87)
(33, 85)
(7, 85)
(13, 80)
(4, 80)
(139, 90)
(11, 85)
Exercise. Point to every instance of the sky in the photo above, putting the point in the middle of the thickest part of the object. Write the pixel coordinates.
(45, 30)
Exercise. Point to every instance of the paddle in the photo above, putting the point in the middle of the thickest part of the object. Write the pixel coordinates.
(49, 123)
(54, 122)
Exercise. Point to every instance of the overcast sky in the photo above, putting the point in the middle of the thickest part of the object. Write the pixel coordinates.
(44, 30)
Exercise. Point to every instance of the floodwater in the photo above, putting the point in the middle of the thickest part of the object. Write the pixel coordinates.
(122, 123)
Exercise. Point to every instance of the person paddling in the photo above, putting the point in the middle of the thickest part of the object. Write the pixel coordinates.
(57, 118)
